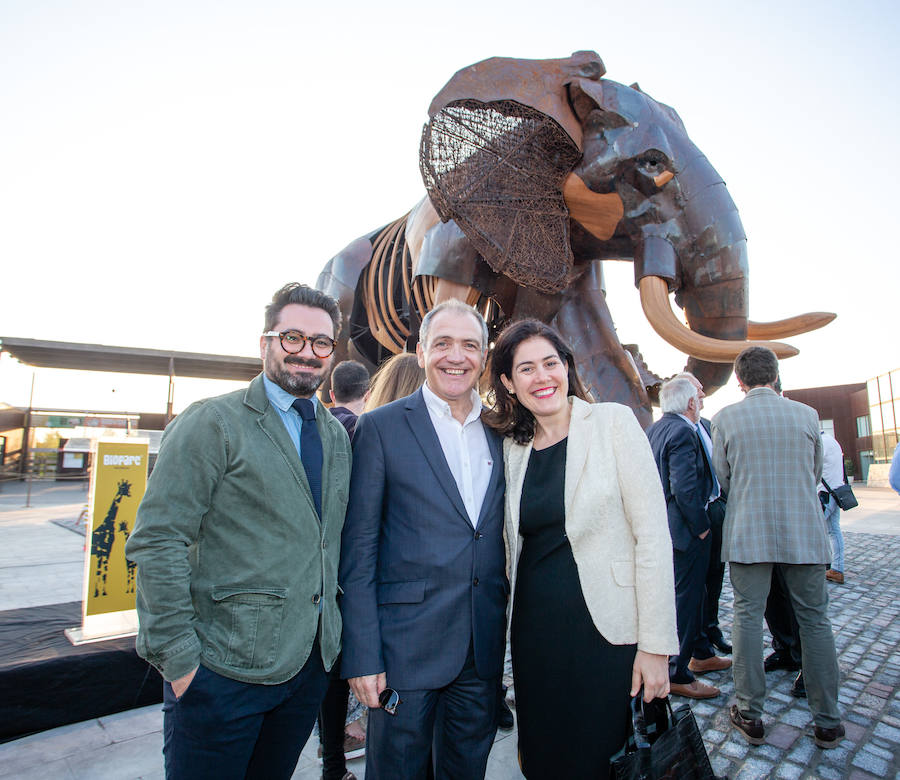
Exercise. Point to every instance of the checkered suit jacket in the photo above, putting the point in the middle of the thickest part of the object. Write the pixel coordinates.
(767, 454)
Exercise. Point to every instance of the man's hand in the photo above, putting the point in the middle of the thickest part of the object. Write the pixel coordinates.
(704, 534)
(367, 688)
(653, 672)
(180, 685)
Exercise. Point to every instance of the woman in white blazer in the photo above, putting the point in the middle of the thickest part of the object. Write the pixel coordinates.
(589, 558)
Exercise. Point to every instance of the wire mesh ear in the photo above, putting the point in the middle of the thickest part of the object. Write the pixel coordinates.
(497, 169)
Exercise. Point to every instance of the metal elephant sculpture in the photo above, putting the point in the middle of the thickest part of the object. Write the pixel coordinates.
(537, 170)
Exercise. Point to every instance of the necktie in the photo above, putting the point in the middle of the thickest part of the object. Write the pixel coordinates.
(715, 490)
(310, 449)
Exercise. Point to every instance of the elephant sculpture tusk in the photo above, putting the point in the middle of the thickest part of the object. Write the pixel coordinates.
(655, 302)
(793, 326)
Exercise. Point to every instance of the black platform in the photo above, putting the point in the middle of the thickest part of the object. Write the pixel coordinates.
(46, 682)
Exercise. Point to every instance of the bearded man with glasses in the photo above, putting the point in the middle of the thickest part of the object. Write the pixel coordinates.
(237, 543)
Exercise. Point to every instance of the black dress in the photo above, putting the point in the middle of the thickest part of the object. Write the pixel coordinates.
(572, 686)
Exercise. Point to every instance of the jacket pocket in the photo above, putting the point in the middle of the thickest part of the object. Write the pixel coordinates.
(623, 573)
(401, 592)
(248, 624)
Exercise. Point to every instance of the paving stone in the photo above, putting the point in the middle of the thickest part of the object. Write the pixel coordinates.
(887, 732)
(871, 763)
(797, 717)
(789, 771)
(803, 751)
(754, 768)
(714, 737)
(879, 749)
(855, 732)
(783, 736)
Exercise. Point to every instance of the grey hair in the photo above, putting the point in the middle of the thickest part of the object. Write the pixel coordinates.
(458, 307)
(675, 395)
(686, 375)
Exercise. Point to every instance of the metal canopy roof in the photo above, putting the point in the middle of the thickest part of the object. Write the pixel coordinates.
(129, 360)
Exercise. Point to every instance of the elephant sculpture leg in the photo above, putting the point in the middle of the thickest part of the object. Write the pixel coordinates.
(603, 364)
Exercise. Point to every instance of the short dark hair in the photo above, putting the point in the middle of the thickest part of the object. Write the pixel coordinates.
(756, 366)
(349, 381)
(508, 417)
(294, 292)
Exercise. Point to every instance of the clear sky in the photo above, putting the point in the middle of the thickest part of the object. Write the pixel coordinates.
(165, 166)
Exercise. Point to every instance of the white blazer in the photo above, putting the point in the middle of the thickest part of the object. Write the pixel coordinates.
(616, 525)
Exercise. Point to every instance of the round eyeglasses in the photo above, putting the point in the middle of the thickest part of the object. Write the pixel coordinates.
(293, 341)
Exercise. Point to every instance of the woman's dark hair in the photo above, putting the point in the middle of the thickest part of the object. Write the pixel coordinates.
(507, 416)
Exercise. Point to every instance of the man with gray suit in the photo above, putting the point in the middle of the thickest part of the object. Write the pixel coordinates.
(423, 565)
(767, 454)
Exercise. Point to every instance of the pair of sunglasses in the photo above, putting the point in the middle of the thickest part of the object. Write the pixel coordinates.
(389, 700)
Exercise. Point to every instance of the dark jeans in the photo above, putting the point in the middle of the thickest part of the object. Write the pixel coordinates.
(332, 719)
(222, 728)
(458, 721)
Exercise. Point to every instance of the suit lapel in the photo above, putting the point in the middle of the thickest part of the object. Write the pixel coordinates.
(576, 449)
(517, 457)
(420, 423)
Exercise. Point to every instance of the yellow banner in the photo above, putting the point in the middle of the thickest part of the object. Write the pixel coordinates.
(119, 482)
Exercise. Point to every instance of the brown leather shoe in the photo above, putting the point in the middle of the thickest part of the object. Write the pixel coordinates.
(834, 576)
(752, 730)
(712, 664)
(694, 690)
(829, 738)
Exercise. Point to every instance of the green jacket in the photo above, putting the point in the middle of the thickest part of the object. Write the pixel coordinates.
(235, 570)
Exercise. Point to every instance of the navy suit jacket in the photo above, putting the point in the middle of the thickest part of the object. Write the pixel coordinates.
(419, 582)
(686, 477)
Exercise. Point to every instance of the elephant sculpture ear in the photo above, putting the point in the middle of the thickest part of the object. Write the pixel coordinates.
(497, 170)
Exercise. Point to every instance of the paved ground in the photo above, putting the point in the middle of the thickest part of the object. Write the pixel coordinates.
(865, 613)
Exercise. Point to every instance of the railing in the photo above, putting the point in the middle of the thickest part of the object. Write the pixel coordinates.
(37, 471)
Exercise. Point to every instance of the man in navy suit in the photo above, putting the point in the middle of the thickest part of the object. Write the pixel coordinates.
(423, 564)
(710, 638)
(687, 481)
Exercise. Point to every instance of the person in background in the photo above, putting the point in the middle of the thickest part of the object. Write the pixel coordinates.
(588, 554)
(711, 637)
(689, 486)
(237, 543)
(340, 740)
(399, 376)
(349, 391)
(767, 455)
(833, 474)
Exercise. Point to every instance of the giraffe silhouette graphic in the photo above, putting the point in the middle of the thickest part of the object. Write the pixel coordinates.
(104, 536)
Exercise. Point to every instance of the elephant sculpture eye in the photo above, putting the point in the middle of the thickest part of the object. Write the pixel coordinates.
(652, 164)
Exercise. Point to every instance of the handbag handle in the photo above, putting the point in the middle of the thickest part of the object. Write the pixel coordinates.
(640, 716)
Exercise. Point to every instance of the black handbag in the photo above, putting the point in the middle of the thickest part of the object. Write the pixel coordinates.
(663, 744)
(843, 494)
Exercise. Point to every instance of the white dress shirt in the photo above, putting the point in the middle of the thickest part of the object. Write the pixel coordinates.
(832, 462)
(465, 448)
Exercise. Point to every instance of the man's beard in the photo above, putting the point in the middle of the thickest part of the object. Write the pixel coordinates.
(301, 385)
